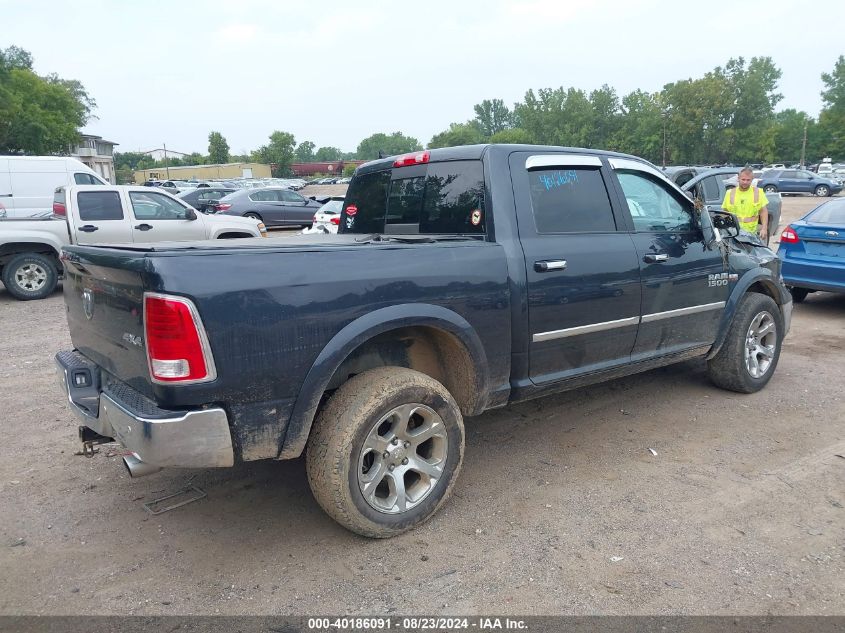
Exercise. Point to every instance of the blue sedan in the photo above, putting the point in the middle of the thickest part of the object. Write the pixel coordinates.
(813, 251)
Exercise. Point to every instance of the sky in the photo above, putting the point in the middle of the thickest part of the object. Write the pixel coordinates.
(336, 72)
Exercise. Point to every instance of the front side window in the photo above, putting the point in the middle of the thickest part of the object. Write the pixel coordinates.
(96, 206)
(156, 206)
(570, 200)
(711, 188)
(653, 207)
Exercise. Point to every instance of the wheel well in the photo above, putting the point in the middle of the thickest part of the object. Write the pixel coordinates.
(428, 350)
(232, 236)
(766, 288)
(8, 251)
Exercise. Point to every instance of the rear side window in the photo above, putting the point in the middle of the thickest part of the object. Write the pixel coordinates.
(570, 200)
(711, 188)
(96, 206)
(447, 198)
(830, 213)
(86, 179)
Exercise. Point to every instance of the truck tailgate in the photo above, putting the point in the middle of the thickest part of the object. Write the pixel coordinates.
(103, 292)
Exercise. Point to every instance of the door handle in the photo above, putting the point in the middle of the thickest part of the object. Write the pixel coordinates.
(88, 228)
(551, 264)
(6, 195)
(651, 258)
(144, 227)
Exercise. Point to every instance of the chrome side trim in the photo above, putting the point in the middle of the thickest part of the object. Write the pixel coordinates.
(669, 314)
(584, 329)
(562, 160)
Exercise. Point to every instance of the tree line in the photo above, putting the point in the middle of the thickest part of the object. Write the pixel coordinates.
(727, 116)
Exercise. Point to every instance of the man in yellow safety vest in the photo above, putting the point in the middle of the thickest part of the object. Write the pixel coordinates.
(749, 205)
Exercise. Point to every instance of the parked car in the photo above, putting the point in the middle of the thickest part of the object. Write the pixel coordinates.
(681, 174)
(812, 250)
(710, 187)
(27, 183)
(798, 181)
(365, 350)
(204, 199)
(275, 206)
(327, 218)
(30, 248)
(177, 186)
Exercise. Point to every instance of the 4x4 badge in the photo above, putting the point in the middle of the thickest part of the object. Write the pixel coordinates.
(88, 303)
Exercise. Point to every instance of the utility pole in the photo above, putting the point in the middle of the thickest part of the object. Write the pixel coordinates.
(166, 167)
(804, 144)
(664, 138)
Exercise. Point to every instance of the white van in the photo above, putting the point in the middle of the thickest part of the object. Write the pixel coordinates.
(27, 183)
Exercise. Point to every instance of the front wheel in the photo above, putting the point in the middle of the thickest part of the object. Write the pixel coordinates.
(822, 191)
(749, 355)
(385, 451)
(30, 276)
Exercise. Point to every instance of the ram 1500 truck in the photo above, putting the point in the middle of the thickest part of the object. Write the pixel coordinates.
(462, 279)
(100, 214)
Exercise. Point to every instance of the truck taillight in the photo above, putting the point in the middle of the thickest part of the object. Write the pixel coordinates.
(417, 158)
(789, 236)
(59, 209)
(177, 346)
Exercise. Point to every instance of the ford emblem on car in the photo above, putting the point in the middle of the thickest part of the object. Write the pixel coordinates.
(832, 233)
(88, 303)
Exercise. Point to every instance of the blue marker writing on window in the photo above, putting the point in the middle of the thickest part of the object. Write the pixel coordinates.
(558, 178)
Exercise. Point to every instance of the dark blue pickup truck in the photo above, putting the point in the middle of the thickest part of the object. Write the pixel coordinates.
(462, 279)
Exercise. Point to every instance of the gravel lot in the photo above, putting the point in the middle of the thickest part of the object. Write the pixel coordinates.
(561, 508)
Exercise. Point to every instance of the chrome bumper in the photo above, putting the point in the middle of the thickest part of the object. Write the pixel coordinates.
(182, 439)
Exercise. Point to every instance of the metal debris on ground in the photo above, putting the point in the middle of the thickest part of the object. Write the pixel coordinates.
(153, 506)
(653, 452)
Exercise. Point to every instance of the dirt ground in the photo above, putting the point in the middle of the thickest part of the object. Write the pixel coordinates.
(561, 507)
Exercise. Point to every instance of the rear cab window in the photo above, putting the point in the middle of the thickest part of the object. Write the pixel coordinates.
(98, 206)
(434, 198)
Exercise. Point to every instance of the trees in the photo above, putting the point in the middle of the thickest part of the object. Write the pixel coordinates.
(468, 133)
(832, 116)
(492, 117)
(38, 115)
(304, 152)
(396, 143)
(328, 154)
(218, 149)
(279, 153)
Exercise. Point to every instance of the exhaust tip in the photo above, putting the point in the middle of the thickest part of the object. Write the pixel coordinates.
(137, 468)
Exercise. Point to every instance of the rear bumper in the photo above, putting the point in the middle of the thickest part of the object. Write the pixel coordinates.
(185, 439)
(823, 275)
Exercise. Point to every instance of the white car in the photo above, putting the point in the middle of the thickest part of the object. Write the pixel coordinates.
(327, 218)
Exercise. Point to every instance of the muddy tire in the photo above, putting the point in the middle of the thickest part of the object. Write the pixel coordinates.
(749, 355)
(385, 451)
(30, 276)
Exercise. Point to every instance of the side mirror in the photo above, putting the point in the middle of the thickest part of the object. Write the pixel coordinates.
(190, 214)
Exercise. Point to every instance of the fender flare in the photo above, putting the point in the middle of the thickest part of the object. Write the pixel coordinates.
(732, 304)
(358, 332)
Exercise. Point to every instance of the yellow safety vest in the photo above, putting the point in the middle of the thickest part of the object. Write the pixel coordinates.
(748, 218)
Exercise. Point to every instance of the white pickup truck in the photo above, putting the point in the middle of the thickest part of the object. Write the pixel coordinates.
(95, 215)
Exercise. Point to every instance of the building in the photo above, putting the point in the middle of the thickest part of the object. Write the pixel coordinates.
(333, 167)
(97, 153)
(203, 172)
(160, 154)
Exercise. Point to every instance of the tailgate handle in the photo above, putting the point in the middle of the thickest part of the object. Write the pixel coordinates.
(546, 266)
(655, 259)
(144, 227)
(88, 228)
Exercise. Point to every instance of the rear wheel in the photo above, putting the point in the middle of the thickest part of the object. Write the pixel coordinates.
(30, 276)
(822, 191)
(770, 189)
(254, 216)
(385, 451)
(750, 353)
(799, 294)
